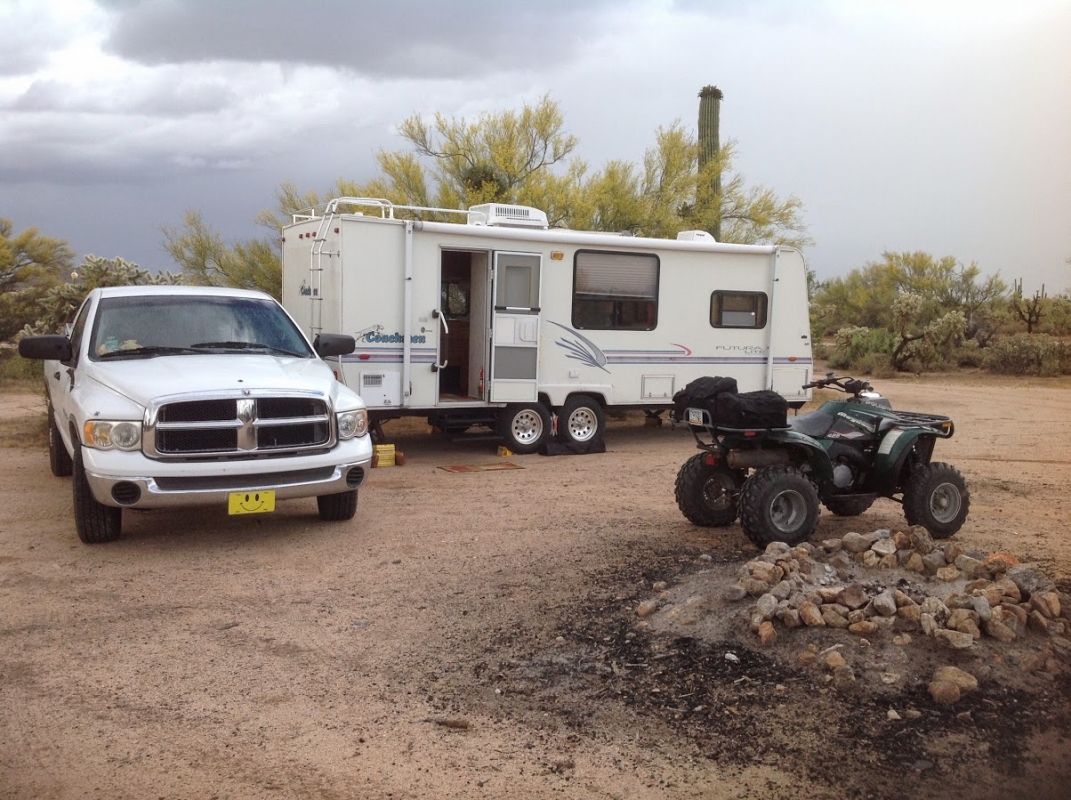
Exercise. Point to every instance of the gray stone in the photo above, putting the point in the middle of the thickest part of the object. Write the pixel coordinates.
(933, 561)
(885, 604)
(832, 619)
(766, 606)
(1030, 580)
(972, 567)
(735, 592)
(928, 624)
(935, 607)
(783, 590)
(884, 547)
(858, 542)
(954, 639)
(982, 608)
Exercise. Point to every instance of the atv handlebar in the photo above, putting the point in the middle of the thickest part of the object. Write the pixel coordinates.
(849, 385)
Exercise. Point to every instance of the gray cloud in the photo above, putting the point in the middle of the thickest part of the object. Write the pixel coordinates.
(412, 39)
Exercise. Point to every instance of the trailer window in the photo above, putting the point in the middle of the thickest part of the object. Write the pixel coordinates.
(738, 309)
(615, 291)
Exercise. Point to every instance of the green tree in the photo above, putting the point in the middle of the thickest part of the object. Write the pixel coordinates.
(524, 157)
(59, 304)
(206, 259)
(30, 264)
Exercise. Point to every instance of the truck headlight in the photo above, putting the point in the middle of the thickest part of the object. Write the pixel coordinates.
(352, 423)
(105, 435)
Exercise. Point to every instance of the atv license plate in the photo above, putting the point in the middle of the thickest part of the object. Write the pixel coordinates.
(251, 502)
(695, 416)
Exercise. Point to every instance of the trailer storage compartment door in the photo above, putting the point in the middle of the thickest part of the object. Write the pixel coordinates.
(515, 328)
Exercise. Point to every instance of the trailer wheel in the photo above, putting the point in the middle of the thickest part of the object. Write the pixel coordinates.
(337, 507)
(524, 427)
(707, 494)
(59, 460)
(581, 420)
(936, 497)
(95, 522)
(778, 504)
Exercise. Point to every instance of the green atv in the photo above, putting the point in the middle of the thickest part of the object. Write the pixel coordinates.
(846, 454)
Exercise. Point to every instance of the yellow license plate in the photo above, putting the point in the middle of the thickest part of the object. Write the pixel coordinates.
(251, 502)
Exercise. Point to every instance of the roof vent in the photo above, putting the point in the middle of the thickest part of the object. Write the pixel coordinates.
(505, 216)
(695, 236)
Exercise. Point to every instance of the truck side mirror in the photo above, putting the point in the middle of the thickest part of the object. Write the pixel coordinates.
(53, 348)
(333, 344)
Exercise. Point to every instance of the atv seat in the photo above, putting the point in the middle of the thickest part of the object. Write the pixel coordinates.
(816, 424)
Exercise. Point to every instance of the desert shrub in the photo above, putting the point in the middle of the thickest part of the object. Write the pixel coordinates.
(1029, 354)
(854, 344)
(16, 369)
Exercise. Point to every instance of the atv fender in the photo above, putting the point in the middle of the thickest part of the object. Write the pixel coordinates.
(817, 457)
(893, 451)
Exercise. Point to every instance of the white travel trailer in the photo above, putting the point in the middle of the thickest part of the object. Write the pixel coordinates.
(498, 320)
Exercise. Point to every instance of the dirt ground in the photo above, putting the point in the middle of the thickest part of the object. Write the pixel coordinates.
(474, 635)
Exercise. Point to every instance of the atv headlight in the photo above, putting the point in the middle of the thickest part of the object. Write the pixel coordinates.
(352, 423)
(105, 435)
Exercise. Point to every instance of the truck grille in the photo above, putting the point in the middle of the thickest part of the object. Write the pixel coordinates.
(239, 426)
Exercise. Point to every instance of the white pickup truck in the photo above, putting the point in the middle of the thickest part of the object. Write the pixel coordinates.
(168, 396)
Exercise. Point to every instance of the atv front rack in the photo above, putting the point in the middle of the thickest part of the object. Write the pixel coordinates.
(941, 425)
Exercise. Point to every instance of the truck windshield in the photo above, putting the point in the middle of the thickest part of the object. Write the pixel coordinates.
(146, 326)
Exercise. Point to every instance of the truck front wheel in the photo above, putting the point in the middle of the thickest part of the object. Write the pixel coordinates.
(95, 522)
(524, 427)
(59, 460)
(337, 507)
(936, 497)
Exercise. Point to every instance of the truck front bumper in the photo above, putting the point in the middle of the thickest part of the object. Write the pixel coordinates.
(130, 480)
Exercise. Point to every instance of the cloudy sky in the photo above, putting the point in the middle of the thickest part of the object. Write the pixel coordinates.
(934, 125)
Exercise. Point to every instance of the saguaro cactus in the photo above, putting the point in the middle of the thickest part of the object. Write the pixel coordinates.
(709, 137)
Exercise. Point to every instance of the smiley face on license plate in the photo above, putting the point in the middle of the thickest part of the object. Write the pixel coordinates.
(251, 502)
(695, 416)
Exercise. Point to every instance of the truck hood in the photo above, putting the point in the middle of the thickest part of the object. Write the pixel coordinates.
(143, 380)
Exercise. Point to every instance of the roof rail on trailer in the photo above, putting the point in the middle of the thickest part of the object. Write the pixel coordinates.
(385, 207)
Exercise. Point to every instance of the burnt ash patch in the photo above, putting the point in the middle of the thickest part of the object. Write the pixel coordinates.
(737, 706)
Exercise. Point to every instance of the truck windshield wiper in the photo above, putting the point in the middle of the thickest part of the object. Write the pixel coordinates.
(147, 352)
(246, 346)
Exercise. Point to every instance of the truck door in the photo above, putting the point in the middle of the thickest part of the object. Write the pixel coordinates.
(515, 327)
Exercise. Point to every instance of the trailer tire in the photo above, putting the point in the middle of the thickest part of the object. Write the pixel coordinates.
(581, 420)
(524, 427)
(95, 522)
(337, 507)
(59, 460)
(707, 495)
(848, 506)
(936, 497)
(778, 504)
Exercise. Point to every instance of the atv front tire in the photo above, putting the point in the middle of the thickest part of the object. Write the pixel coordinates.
(936, 497)
(848, 506)
(707, 494)
(778, 504)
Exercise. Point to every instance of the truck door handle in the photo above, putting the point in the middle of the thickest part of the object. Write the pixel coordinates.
(442, 318)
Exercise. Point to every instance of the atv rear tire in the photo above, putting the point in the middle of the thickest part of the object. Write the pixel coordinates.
(707, 495)
(936, 497)
(848, 506)
(778, 504)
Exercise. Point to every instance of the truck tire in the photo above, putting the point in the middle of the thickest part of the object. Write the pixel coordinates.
(707, 495)
(581, 420)
(524, 427)
(59, 460)
(778, 504)
(936, 497)
(337, 507)
(95, 522)
(848, 506)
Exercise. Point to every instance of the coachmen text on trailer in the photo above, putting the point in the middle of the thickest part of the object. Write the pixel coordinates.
(497, 320)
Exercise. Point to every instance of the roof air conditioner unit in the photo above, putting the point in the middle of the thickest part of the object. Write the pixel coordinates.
(507, 216)
(695, 236)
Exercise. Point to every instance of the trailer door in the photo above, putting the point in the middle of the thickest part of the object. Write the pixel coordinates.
(515, 327)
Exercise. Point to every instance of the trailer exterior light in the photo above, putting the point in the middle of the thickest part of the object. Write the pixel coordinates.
(557, 255)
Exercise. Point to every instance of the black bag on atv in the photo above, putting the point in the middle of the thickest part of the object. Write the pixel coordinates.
(702, 393)
(764, 409)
